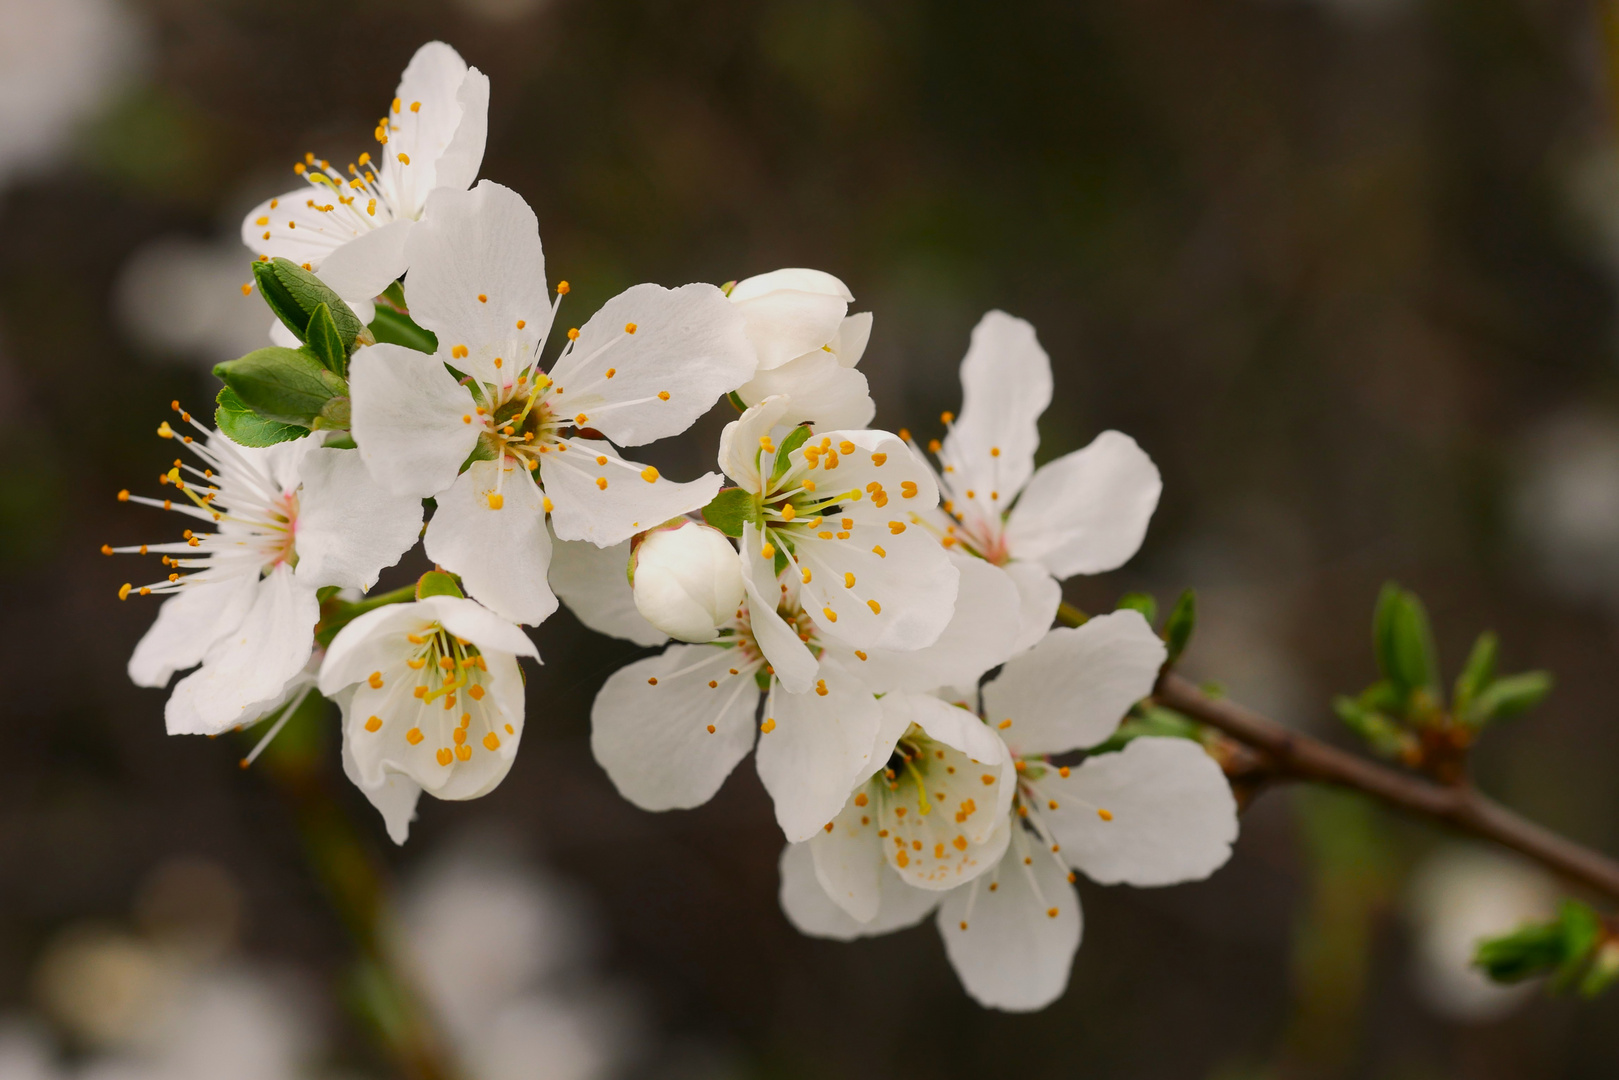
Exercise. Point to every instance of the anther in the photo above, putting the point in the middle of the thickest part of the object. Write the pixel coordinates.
(876, 608)
(896, 527)
(404, 159)
(649, 474)
(375, 680)
(663, 395)
(768, 726)
(373, 724)
(1105, 815)
(496, 500)
(601, 482)
(483, 298)
(831, 616)
(562, 288)
(946, 417)
(629, 328)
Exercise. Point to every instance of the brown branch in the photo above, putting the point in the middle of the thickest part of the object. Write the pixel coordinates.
(1296, 756)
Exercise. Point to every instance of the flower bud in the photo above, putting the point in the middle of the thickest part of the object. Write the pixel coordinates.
(788, 313)
(687, 581)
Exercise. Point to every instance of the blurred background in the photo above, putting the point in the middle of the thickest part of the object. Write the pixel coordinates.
(1347, 269)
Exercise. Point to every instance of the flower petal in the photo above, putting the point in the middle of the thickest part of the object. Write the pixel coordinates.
(854, 333)
(1170, 814)
(609, 501)
(821, 389)
(471, 244)
(818, 749)
(437, 96)
(413, 422)
(349, 528)
(291, 226)
(1071, 690)
(790, 312)
(807, 906)
(188, 624)
(369, 263)
(1008, 948)
(502, 555)
(672, 354)
(795, 665)
(592, 581)
(740, 446)
(458, 166)
(1005, 386)
(848, 856)
(395, 798)
(1086, 512)
(1039, 596)
(665, 737)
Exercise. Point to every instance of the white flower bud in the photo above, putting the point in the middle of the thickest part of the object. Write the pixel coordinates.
(687, 581)
(788, 313)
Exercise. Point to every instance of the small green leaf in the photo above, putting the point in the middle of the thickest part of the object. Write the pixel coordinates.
(1561, 947)
(307, 292)
(731, 510)
(1180, 624)
(323, 341)
(280, 298)
(1507, 697)
(1382, 734)
(1404, 642)
(286, 385)
(1141, 602)
(243, 426)
(437, 583)
(397, 328)
(1477, 673)
(793, 441)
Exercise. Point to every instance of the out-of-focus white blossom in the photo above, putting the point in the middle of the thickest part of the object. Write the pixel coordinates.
(1566, 505)
(687, 581)
(181, 298)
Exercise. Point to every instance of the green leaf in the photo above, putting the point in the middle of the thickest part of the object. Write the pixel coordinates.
(1507, 697)
(1404, 642)
(243, 426)
(1180, 624)
(731, 510)
(323, 341)
(1154, 722)
(792, 442)
(1561, 947)
(279, 298)
(437, 583)
(1382, 734)
(294, 293)
(397, 328)
(1603, 971)
(285, 385)
(1141, 602)
(1477, 673)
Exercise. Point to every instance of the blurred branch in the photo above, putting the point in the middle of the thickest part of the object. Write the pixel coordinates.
(1290, 755)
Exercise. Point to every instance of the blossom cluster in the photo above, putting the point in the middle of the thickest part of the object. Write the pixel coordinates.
(835, 594)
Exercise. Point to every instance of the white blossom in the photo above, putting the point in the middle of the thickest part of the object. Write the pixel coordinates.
(432, 700)
(687, 581)
(644, 367)
(1083, 513)
(803, 310)
(288, 520)
(352, 227)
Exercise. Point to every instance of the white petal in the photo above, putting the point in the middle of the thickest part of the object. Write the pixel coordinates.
(188, 624)
(808, 908)
(297, 230)
(1086, 512)
(367, 643)
(435, 78)
(686, 350)
(795, 665)
(502, 555)
(819, 748)
(820, 388)
(586, 509)
(458, 166)
(369, 263)
(485, 629)
(349, 528)
(980, 635)
(1071, 690)
(1005, 386)
(848, 857)
(592, 581)
(790, 312)
(1171, 814)
(1013, 954)
(484, 242)
(252, 665)
(739, 442)
(670, 744)
(854, 333)
(412, 421)
(1040, 595)
(395, 798)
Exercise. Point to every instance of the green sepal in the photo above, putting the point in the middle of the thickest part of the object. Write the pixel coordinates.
(323, 341)
(792, 442)
(438, 583)
(243, 426)
(1476, 674)
(731, 510)
(286, 385)
(334, 415)
(1507, 697)
(736, 401)
(1150, 722)
(781, 561)
(1180, 624)
(1142, 602)
(294, 293)
(1404, 644)
(485, 449)
(397, 328)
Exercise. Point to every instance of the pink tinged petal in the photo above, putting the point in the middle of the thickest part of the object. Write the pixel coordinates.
(1005, 386)
(395, 797)
(349, 529)
(300, 232)
(654, 738)
(686, 343)
(252, 665)
(435, 77)
(794, 664)
(1071, 690)
(369, 263)
(1039, 596)
(1086, 512)
(188, 624)
(592, 581)
(1007, 947)
(584, 508)
(413, 423)
(790, 312)
(480, 243)
(819, 748)
(1170, 815)
(739, 442)
(504, 555)
(813, 912)
(820, 388)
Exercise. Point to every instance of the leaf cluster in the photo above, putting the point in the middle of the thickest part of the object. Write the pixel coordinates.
(1575, 950)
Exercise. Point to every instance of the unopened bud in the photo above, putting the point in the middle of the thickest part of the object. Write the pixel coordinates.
(687, 580)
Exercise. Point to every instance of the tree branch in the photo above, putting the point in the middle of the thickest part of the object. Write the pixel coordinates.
(1295, 756)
